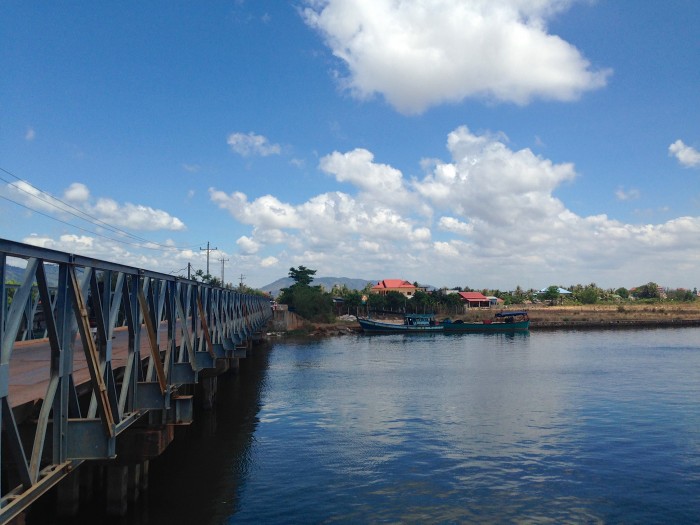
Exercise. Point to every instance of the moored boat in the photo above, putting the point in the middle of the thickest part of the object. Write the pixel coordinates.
(515, 321)
(411, 323)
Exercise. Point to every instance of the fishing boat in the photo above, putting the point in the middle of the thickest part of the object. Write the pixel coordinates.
(515, 321)
(411, 323)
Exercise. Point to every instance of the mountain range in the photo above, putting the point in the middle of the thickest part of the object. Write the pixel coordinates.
(15, 274)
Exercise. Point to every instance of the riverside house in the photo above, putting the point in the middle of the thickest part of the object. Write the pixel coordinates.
(394, 285)
(475, 300)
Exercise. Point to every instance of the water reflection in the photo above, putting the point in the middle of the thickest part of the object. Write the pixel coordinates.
(474, 427)
(592, 427)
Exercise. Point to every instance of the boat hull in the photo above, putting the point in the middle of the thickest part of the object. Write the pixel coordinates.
(381, 327)
(519, 326)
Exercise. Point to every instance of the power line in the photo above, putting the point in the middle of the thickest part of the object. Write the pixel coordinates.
(79, 227)
(38, 197)
(180, 270)
(82, 216)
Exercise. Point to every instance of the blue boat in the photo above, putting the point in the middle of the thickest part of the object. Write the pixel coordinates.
(515, 321)
(420, 323)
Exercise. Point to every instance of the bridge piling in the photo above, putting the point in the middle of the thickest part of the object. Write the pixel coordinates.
(117, 490)
(209, 389)
(68, 495)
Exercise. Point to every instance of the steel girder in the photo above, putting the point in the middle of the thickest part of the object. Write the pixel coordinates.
(172, 329)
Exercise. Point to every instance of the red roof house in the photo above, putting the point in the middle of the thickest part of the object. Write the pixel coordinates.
(475, 299)
(394, 285)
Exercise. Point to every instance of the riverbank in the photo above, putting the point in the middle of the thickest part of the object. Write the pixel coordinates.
(614, 316)
(591, 317)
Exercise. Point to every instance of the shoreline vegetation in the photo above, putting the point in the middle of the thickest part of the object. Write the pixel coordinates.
(553, 308)
(578, 317)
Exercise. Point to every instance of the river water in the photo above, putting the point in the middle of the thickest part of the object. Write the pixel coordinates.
(546, 427)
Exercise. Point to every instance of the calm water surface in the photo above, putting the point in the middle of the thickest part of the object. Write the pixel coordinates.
(557, 427)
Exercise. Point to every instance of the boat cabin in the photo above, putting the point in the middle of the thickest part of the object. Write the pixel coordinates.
(511, 317)
(419, 320)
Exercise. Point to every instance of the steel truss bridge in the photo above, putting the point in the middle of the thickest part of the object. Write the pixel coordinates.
(121, 349)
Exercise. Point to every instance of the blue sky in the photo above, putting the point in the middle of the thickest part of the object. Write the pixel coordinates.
(456, 143)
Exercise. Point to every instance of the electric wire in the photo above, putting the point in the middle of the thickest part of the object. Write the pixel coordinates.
(90, 218)
(76, 226)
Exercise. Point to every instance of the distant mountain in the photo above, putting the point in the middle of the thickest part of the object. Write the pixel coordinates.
(13, 273)
(327, 282)
(16, 274)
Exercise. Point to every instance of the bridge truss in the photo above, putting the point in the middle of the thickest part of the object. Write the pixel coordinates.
(173, 330)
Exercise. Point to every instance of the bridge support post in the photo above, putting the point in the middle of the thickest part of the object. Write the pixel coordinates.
(117, 485)
(89, 476)
(145, 467)
(134, 482)
(209, 389)
(68, 495)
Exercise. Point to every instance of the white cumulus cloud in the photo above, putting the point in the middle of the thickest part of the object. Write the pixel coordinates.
(248, 245)
(627, 195)
(378, 182)
(686, 155)
(419, 54)
(248, 144)
(269, 262)
(486, 215)
(135, 216)
(77, 192)
(78, 206)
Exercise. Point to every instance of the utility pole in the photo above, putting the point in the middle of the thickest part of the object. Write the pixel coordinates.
(208, 250)
(240, 286)
(222, 260)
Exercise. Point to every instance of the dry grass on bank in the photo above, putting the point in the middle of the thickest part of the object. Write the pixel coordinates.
(588, 316)
(611, 313)
(631, 312)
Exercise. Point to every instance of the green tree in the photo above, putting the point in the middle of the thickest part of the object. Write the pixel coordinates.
(340, 290)
(353, 301)
(623, 292)
(518, 296)
(648, 291)
(422, 302)
(12, 287)
(551, 294)
(452, 303)
(310, 302)
(376, 301)
(199, 275)
(681, 294)
(396, 301)
(588, 295)
(302, 275)
(313, 304)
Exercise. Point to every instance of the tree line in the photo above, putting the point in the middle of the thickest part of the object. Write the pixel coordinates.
(316, 304)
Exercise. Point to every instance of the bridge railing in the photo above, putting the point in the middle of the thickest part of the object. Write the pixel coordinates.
(173, 329)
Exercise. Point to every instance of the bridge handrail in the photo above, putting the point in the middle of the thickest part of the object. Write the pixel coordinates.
(186, 326)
